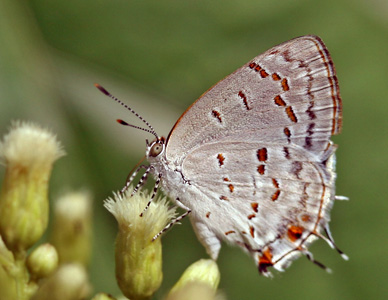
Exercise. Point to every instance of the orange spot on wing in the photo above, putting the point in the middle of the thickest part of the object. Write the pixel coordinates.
(275, 77)
(221, 159)
(285, 85)
(252, 65)
(287, 132)
(291, 114)
(229, 232)
(255, 206)
(275, 195)
(306, 218)
(262, 154)
(251, 216)
(217, 115)
(275, 183)
(263, 73)
(252, 231)
(261, 169)
(265, 261)
(279, 101)
(295, 232)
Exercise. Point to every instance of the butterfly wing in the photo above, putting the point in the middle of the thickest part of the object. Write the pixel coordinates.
(255, 155)
(270, 199)
(289, 93)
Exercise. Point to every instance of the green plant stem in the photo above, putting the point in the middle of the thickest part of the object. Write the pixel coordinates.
(20, 276)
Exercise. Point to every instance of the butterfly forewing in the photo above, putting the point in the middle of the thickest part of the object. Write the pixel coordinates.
(291, 87)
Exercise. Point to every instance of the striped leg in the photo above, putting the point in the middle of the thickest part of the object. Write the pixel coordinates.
(176, 220)
(142, 180)
(156, 186)
(130, 178)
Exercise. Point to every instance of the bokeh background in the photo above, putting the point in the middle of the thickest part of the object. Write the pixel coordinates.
(159, 56)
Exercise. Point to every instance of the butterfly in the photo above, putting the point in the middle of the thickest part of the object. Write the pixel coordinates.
(251, 161)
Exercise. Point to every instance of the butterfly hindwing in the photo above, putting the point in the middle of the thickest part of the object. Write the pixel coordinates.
(256, 195)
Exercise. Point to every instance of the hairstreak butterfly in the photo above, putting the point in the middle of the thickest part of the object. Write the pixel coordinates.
(251, 160)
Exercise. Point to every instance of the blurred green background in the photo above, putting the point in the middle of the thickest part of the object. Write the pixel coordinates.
(159, 56)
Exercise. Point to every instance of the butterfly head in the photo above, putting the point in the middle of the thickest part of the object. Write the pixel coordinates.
(155, 148)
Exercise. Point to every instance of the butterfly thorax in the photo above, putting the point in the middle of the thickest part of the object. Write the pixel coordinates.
(169, 173)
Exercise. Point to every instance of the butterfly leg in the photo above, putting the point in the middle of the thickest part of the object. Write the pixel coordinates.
(130, 178)
(142, 180)
(156, 186)
(176, 220)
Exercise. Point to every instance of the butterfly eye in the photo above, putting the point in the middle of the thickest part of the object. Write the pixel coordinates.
(156, 149)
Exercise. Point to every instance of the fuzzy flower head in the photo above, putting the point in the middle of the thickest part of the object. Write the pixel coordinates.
(28, 152)
(138, 256)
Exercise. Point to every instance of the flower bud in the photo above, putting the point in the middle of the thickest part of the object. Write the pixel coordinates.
(42, 261)
(103, 296)
(28, 152)
(138, 257)
(72, 229)
(69, 282)
(199, 281)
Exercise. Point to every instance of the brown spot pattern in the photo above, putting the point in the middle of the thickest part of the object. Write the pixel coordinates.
(285, 85)
(275, 195)
(275, 77)
(286, 152)
(252, 231)
(279, 101)
(229, 232)
(262, 154)
(309, 111)
(221, 159)
(291, 114)
(263, 73)
(261, 169)
(295, 232)
(296, 168)
(244, 98)
(287, 132)
(255, 206)
(275, 183)
(231, 188)
(251, 216)
(217, 115)
(265, 260)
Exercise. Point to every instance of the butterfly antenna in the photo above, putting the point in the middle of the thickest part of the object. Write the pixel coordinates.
(150, 130)
(137, 127)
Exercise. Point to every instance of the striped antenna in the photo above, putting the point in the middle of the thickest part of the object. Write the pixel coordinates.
(150, 130)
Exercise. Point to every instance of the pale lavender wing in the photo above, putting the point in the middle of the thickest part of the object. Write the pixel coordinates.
(289, 94)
